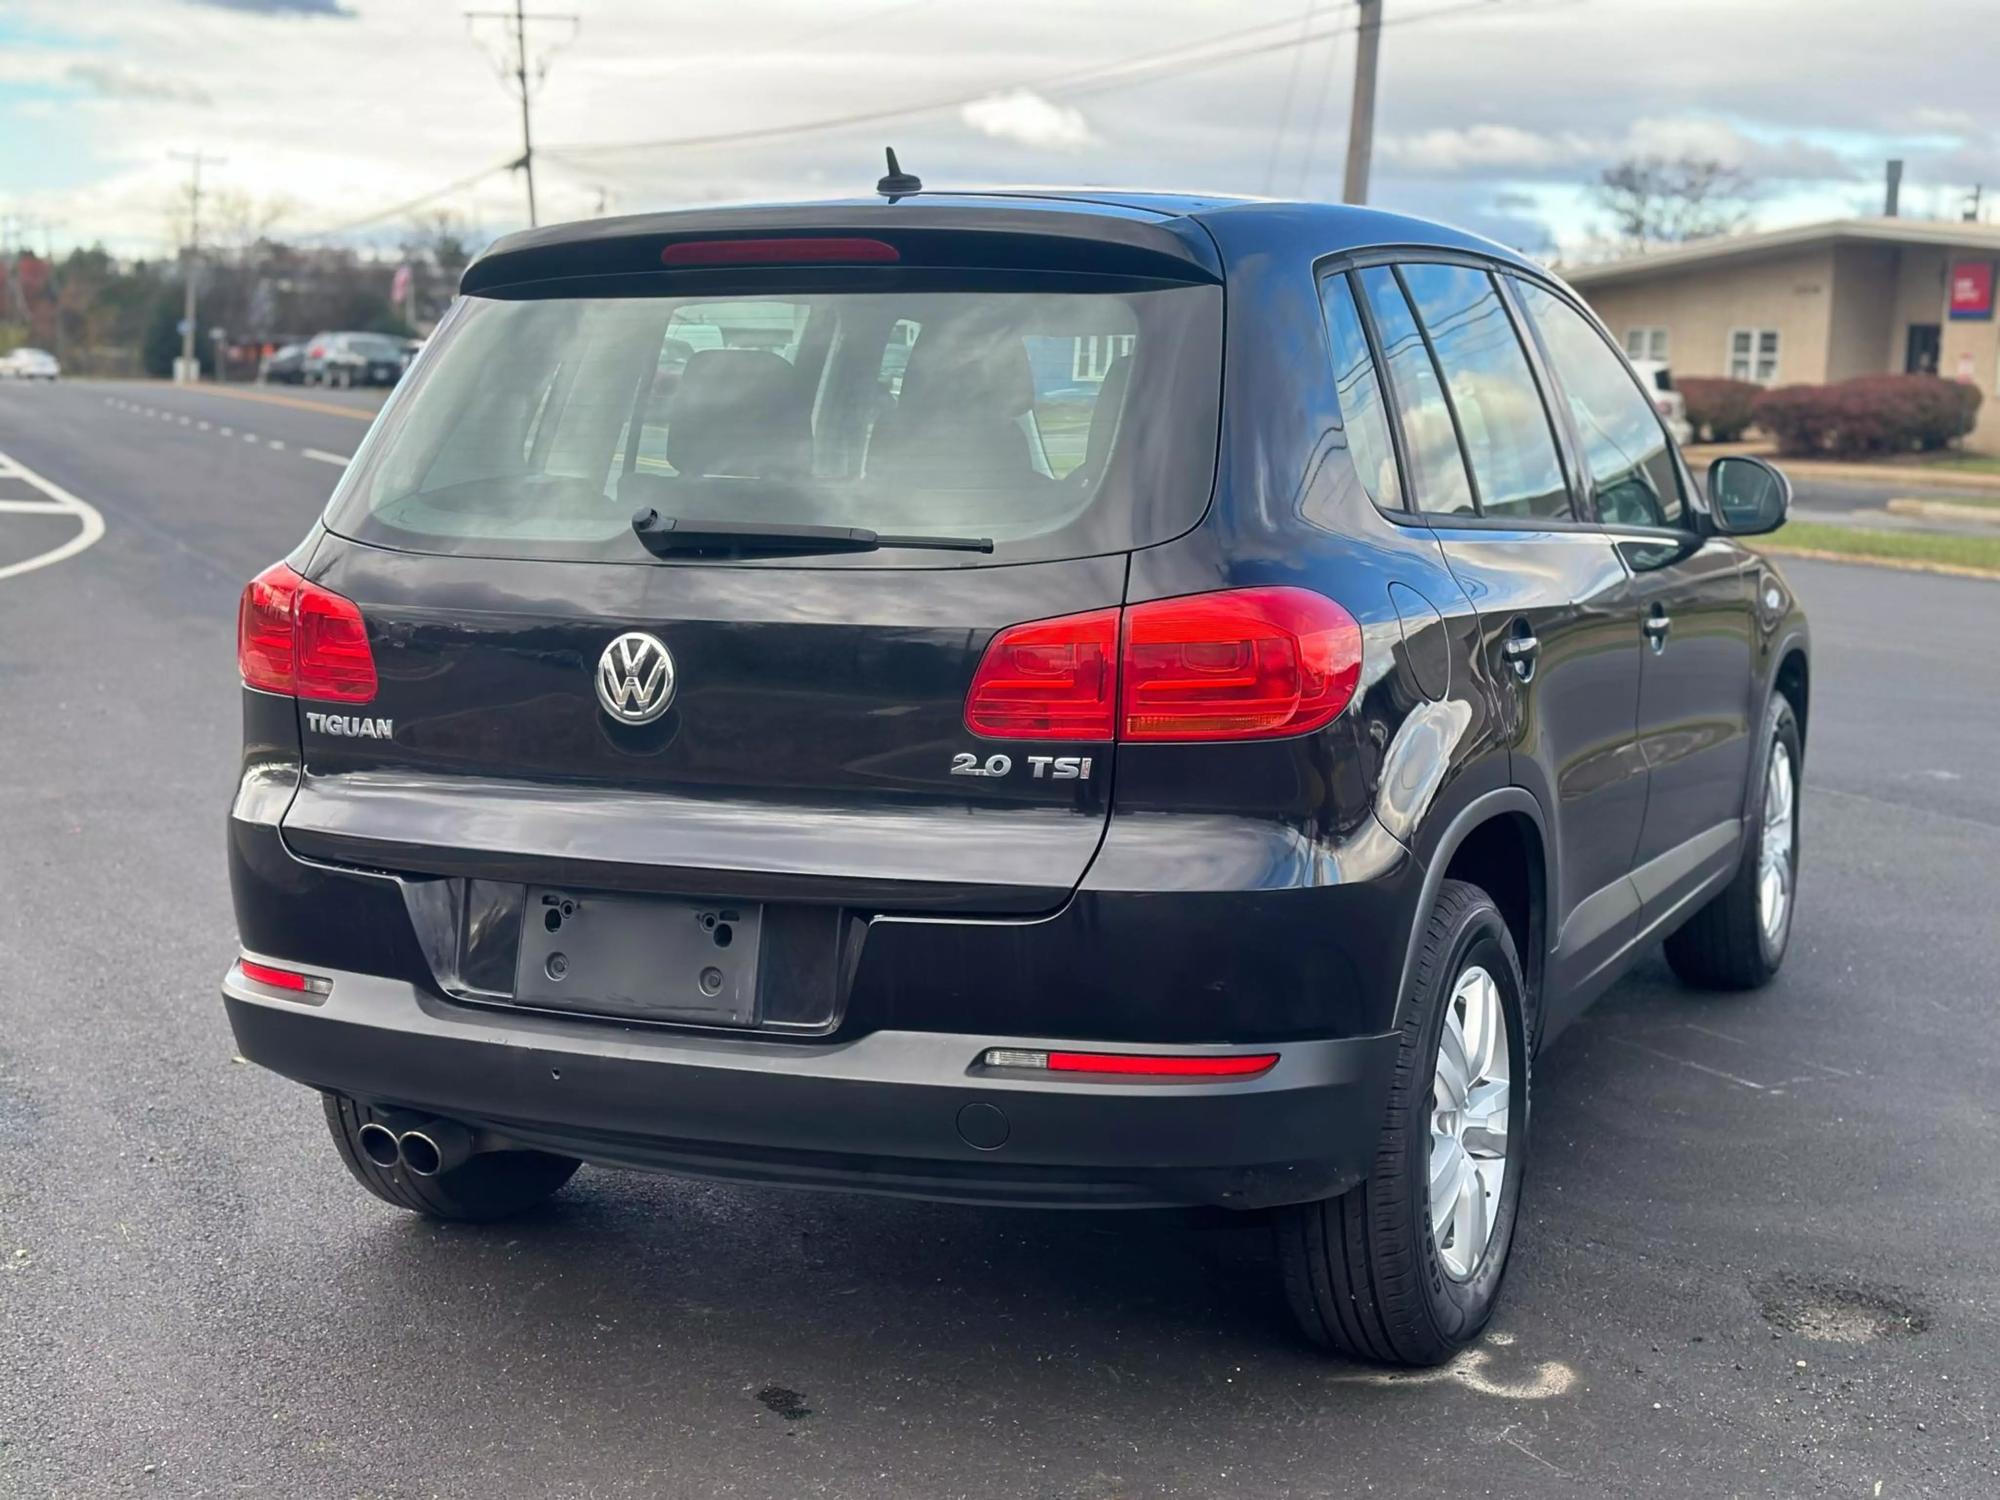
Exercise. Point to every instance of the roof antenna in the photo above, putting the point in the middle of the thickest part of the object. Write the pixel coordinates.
(897, 183)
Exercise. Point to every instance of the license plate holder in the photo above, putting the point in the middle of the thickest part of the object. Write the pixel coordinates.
(650, 957)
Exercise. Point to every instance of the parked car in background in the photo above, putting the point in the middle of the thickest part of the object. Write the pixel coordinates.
(1145, 758)
(348, 359)
(1667, 401)
(285, 366)
(29, 364)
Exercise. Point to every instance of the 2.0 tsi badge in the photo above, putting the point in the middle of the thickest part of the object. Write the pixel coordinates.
(635, 678)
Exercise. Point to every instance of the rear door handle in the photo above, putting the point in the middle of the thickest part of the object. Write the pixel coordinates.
(1656, 626)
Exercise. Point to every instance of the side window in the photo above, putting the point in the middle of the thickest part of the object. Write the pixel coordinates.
(1625, 448)
(1361, 407)
(1500, 413)
(1428, 434)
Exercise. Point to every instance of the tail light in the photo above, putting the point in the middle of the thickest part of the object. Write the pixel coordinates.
(1246, 664)
(297, 638)
(790, 251)
(1048, 680)
(1242, 664)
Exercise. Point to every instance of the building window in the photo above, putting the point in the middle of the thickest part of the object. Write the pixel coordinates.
(1753, 355)
(1646, 343)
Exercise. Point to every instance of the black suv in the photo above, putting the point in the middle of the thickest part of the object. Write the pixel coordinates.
(1060, 700)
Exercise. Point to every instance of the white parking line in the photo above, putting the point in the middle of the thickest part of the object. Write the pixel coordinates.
(202, 426)
(274, 443)
(227, 431)
(30, 507)
(325, 458)
(249, 437)
(90, 525)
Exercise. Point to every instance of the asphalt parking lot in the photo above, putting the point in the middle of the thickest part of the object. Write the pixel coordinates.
(1761, 1236)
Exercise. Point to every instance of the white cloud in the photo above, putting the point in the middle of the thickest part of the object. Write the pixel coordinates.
(1448, 151)
(1028, 119)
(1486, 150)
(117, 81)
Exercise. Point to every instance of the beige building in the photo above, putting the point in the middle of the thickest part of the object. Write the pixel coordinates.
(1816, 303)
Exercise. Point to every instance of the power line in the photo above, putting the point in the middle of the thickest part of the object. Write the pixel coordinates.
(1284, 120)
(397, 209)
(520, 16)
(1325, 90)
(852, 23)
(1075, 79)
(1121, 74)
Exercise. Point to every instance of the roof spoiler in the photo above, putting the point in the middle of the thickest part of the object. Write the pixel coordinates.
(984, 236)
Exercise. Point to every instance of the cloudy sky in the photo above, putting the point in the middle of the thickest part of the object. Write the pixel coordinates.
(1494, 113)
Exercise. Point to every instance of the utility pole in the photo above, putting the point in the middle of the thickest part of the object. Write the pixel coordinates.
(11, 225)
(1361, 123)
(54, 284)
(518, 18)
(188, 370)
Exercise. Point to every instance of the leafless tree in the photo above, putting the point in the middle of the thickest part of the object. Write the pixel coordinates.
(1657, 200)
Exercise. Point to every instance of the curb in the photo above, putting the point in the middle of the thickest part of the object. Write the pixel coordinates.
(1898, 564)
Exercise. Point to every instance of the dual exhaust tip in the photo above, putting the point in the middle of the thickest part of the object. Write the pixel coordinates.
(425, 1149)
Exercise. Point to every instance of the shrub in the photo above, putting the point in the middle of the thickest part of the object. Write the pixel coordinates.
(1716, 407)
(1867, 414)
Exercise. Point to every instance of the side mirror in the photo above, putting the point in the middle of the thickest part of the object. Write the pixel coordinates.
(1747, 496)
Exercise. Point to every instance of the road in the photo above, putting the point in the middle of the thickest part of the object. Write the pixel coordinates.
(1759, 1252)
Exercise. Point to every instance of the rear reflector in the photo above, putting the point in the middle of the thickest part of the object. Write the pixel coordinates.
(1241, 664)
(284, 979)
(297, 638)
(1047, 680)
(793, 251)
(1134, 1064)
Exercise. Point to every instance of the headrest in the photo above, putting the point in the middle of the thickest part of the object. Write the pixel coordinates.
(1105, 415)
(981, 370)
(739, 412)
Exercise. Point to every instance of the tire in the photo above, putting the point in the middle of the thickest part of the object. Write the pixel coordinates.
(1366, 1273)
(491, 1185)
(1728, 944)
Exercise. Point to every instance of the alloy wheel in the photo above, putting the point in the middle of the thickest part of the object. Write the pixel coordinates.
(1470, 1104)
(1774, 851)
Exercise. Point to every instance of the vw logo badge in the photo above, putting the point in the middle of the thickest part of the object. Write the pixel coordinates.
(635, 678)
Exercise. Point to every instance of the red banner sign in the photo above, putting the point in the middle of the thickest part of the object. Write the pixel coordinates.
(1972, 289)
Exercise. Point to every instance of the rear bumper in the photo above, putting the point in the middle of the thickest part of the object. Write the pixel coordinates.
(889, 1112)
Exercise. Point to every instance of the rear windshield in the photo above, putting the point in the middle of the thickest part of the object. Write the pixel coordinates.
(1058, 423)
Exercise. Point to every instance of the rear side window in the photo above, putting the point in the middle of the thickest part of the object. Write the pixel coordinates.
(1361, 405)
(1059, 423)
(1429, 436)
(1493, 391)
(1625, 450)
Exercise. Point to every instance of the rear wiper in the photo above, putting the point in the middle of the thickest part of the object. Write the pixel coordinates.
(663, 535)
